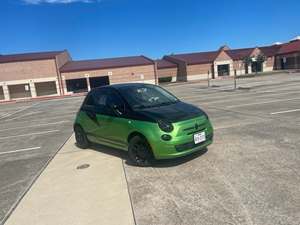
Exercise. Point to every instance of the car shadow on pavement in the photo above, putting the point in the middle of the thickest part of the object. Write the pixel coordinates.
(178, 161)
(155, 163)
(109, 151)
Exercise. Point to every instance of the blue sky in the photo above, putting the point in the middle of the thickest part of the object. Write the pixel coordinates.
(111, 28)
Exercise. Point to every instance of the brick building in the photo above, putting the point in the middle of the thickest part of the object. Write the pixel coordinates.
(166, 71)
(80, 76)
(31, 75)
(288, 56)
(226, 62)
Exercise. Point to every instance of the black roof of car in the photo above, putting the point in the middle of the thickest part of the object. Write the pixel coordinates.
(119, 86)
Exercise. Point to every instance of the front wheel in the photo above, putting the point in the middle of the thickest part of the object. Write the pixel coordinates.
(81, 138)
(139, 151)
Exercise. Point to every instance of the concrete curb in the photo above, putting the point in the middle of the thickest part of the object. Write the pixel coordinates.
(11, 210)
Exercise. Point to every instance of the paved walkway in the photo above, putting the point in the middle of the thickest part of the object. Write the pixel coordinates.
(64, 194)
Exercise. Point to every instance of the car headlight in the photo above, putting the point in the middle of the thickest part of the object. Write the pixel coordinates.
(165, 126)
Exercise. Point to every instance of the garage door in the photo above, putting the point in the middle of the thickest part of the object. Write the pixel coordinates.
(99, 81)
(1, 93)
(45, 88)
(19, 91)
(77, 85)
(166, 79)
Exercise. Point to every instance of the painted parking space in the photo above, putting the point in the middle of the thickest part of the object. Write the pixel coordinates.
(30, 135)
(250, 175)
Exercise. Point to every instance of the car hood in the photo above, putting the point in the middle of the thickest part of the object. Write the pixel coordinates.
(173, 113)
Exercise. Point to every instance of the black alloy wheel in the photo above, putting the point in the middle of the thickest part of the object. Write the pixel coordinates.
(81, 138)
(139, 151)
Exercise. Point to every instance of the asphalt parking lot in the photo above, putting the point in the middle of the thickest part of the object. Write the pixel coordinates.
(30, 135)
(250, 175)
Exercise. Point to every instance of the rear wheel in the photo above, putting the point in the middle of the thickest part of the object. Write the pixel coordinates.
(81, 138)
(139, 151)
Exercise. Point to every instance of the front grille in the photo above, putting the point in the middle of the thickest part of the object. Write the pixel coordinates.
(196, 127)
(196, 131)
(190, 145)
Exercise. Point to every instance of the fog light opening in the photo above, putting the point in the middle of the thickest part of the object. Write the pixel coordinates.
(166, 137)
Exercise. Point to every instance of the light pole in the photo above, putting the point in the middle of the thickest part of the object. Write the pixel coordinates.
(234, 78)
(208, 79)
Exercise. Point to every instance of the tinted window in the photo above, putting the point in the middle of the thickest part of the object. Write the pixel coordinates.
(114, 99)
(145, 96)
(104, 99)
(89, 100)
(100, 97)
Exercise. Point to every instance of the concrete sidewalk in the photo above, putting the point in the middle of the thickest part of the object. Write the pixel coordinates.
(65, 195)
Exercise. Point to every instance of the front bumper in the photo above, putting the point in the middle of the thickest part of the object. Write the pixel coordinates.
(181, 143)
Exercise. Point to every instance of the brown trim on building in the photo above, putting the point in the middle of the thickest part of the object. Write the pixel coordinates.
(29, 56)
(165, 64)
(108, 63)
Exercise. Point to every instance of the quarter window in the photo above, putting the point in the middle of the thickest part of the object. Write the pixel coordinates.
(90, 100)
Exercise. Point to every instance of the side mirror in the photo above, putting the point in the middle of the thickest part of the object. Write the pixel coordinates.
(118, 109)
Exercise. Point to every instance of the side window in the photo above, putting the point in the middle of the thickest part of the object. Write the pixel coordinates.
(89, 100)
(114, 99)
(115, 105)
(101, 98)
(106, 99)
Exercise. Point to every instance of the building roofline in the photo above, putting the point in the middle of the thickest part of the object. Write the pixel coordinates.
(31, 56)
(63, 69)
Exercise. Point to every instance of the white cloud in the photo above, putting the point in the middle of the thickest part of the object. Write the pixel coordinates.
(36, 2)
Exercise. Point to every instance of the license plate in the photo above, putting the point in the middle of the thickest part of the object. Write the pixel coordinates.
(199, 137)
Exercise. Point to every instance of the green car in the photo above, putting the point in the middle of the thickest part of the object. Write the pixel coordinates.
(143, 119)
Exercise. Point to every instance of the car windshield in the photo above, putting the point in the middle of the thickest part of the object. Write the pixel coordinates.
(146, 96)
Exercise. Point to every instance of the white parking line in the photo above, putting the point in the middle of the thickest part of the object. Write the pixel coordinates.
(47, 119)
(24, 115)
(258, 95)
(261, 103)
(3, 114)
(20, 150)
(37, 125)
(220, 97)
(30, 134)
(286, 111)
(11, 108)
(20, 110)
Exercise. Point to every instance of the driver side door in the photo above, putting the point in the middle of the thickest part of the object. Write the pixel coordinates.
(117, 125)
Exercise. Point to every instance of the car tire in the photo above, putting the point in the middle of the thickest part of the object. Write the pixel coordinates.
(139, 151)
(81, 138)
